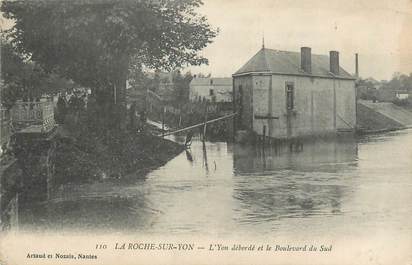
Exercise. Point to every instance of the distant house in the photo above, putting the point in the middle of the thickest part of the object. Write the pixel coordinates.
(290, 94)
(211, 89)
(402, 94)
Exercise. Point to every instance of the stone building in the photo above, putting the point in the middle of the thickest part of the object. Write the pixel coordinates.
(211, 89)
(285, 94)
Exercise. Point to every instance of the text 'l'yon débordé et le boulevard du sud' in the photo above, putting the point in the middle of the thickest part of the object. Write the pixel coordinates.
(215, 247)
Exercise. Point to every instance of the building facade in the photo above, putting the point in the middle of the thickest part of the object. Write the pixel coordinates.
(286, 95)
(211, 89)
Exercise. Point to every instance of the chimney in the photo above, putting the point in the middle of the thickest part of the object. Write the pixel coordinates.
(305, 59)
(356, 65)
(334, 62)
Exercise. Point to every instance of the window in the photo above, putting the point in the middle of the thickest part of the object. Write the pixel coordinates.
(211, 92)
(290, 96)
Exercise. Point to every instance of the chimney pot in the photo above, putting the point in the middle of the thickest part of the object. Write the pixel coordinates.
(306, 59)
(334, 62)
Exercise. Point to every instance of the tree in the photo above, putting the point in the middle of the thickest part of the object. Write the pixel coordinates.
(181, 86)
(11, 66)
(399, 82)
(24, 79)
(95, 42)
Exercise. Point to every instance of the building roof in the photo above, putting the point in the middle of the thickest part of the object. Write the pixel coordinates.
(207, 81)
(287, 62)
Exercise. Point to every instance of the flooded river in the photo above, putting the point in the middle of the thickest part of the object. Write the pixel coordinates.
(343, 187)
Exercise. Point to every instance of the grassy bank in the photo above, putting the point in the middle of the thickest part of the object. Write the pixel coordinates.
(372, 121)
(86, 159)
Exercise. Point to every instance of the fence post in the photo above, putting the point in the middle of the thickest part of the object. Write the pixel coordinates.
(205, 124)
(264, 135)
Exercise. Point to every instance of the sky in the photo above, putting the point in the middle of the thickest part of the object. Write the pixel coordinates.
(380, 31)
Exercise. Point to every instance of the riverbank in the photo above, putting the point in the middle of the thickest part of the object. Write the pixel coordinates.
(124, 156)
(381, 117)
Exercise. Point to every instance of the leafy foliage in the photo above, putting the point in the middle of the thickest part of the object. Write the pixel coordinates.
(92, 41)
(400, 82)
(95, 42)
(26, 80)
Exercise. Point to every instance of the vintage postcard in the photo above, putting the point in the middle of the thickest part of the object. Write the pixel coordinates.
(206, 132)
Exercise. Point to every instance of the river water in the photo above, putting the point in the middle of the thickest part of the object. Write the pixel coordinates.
(341, 187)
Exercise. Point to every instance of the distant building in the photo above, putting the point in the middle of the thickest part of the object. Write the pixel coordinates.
(290, 94)
(402, 94)
(211, 89)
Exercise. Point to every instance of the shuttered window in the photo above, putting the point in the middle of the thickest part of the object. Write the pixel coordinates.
(290, 96)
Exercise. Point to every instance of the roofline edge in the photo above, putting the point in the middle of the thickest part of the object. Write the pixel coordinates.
(302, 75)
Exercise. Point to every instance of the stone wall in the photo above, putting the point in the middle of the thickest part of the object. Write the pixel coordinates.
(221, 93)
(321, 105)
(10, 176)
(243, 102)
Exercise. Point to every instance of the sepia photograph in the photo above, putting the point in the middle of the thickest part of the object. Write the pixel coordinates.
(206, 132)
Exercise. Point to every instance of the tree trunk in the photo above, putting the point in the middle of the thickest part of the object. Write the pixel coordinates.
(110, 101)
(120, 91)
(104, 109)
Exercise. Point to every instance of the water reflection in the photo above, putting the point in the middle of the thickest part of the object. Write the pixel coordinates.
(320, 155)
(91, 207)
(288, 180)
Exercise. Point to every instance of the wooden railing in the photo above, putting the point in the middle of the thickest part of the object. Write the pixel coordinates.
(39, 113)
